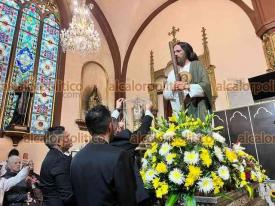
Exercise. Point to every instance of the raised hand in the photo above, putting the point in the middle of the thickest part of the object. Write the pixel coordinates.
(119, 103)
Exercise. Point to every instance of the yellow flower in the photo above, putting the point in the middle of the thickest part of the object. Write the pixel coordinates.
(161, 168)
(207, 141)
(205, 157)
(178, 142)
(142, 174)
(159, 193)
(195, 171)
(230, 155)
(173, 119)
(164, 188)
(193, 175)
(172, 128)
(154, 147)
(242, 176)
(253, 177)
(217, 181)
(156, 183)
(159, 135)
(189, 181)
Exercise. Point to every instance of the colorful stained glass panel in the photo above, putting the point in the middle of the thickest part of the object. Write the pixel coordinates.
(43, 104)
(27, 40)
(8, 117)
(40, 123)
(47, 67)
(25, 59)
(8, 15)
(10, 3)
(5, 53)
(30, 24)
(32, 11)
(51, 20)
(49, 50)
(45, 85)
(50, 34)
(3, 72)
(6, 33)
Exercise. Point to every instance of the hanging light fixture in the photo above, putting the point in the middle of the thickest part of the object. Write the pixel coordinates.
(81, 36)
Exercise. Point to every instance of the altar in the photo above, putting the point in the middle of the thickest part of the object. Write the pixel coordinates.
(254, 127)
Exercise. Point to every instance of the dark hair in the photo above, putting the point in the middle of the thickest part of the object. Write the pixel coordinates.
(52, 135)
(13, 152)
(98, 119)
(187, 48)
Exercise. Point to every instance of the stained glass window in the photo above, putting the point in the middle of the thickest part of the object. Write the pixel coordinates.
(30, 70)
(8, 18)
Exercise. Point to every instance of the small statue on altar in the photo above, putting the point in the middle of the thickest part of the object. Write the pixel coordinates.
(94, 99)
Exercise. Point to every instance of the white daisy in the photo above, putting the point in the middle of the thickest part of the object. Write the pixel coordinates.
(164, 149)
(191, 136)
(191, 157)
(205, 185)
(218, 137)
(150, 175)
(168, 135)
(223, 172)
(176, 176)
(218, 153)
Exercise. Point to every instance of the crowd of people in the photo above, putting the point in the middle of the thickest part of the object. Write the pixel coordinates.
(104, 172)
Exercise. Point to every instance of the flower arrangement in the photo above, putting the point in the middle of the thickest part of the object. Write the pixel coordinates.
(189, 157)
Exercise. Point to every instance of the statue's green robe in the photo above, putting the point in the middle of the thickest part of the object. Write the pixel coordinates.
(199, 76)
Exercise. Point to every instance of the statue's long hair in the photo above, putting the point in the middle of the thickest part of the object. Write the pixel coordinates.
(187, 48)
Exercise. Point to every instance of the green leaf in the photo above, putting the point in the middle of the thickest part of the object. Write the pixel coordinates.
(189, 200)
(218, 128)
(172, 199)
(250, 191)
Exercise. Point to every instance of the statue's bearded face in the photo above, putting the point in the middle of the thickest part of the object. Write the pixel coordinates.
(180, 55)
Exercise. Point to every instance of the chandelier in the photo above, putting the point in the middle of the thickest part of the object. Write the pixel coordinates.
(81, 35)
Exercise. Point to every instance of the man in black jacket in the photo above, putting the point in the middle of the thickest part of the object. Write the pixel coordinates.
(101, 173)
(128, 141)
(55, 170)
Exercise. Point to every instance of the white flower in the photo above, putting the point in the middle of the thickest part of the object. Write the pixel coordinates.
(150, 175)
(144, 162)
(191, 136)
(191, 157)
(205, 185)
(223, 172)
(176, 176)
(237, 147)
(164, 149)
(218, 153)
(168, 135)
(218, 137)
(238, 167)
